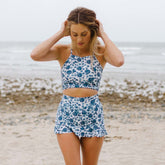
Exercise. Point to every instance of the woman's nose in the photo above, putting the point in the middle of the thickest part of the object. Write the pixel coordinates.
(79, 39)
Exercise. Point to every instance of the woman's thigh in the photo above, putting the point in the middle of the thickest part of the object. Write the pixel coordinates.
(91, 148)
(70, 146)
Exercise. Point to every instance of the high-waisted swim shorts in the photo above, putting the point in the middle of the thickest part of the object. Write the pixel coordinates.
(81, 115)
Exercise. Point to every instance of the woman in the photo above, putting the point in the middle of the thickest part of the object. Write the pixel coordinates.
(79, 119)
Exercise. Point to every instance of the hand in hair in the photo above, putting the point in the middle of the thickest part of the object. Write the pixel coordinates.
(64, 29)
(101, 29)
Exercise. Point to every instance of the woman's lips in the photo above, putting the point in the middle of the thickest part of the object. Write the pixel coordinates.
(80, 43)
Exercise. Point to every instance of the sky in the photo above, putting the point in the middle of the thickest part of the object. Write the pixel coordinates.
(123, 20)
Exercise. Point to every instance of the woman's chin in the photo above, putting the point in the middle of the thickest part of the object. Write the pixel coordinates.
(81, 46)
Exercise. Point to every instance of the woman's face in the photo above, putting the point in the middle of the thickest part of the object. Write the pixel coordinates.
(80, 35)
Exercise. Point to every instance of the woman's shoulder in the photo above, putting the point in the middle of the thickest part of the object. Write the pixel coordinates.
(62, 47)
(64, 51)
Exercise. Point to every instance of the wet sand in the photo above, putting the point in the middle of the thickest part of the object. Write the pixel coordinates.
(36, 90)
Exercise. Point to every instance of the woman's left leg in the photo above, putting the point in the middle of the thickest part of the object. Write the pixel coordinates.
(70, 147)
(91, 148)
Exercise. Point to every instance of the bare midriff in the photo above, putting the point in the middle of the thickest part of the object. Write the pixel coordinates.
(79, 92)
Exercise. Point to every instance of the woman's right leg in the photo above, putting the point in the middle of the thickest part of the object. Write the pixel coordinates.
(70, 147)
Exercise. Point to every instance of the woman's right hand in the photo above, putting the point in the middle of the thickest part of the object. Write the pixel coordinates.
(65, 29)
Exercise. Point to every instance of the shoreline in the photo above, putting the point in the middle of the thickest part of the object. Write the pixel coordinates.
(38, 90)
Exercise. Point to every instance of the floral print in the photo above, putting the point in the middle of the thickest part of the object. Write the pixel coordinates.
(80, 72)
(81, 115)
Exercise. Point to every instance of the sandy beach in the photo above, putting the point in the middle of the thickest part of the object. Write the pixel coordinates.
(27, 138)
(134, 112)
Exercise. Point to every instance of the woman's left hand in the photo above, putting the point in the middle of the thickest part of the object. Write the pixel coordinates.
(101, 29)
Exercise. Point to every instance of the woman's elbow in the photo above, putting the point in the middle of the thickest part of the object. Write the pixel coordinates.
(120, 62)
(33, 56)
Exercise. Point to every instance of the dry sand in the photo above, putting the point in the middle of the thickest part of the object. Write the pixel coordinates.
(134, 138)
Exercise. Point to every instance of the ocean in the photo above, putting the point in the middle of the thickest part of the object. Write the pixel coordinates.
(140, 59)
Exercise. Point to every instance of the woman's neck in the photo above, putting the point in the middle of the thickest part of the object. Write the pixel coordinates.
(81, 52)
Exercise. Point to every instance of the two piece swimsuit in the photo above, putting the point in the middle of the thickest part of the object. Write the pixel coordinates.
(81, 115)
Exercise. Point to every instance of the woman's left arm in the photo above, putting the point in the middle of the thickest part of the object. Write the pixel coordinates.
(112, 54)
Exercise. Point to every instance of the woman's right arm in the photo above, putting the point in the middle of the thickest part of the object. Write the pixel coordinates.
(47, 50)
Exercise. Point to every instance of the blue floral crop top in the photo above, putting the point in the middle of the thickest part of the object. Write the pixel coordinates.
(77, 72)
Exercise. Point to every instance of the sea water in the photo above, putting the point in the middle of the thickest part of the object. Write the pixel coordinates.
(140, 58)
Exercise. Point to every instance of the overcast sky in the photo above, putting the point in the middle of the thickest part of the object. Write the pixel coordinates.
(123, 20)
